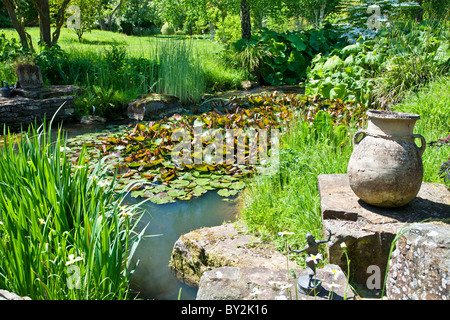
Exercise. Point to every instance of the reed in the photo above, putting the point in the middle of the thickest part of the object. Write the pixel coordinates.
(63, 231)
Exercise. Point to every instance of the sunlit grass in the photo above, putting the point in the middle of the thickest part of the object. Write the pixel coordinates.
(63, 232)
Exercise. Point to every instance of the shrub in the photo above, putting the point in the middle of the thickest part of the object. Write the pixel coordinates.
(167, 29)
(283, 58)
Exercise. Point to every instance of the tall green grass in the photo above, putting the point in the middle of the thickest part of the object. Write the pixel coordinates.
(432, 103)
(63, 231)
(288, 201)
(180, 71)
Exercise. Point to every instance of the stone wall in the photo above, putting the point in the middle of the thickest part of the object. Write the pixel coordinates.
(420, 264)
(21, 111)
(421, 255)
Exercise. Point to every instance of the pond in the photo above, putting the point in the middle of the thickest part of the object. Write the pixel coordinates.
(165, 224)
(152, 277)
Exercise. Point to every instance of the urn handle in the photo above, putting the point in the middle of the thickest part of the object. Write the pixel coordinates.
(424, 144)
(357, 134)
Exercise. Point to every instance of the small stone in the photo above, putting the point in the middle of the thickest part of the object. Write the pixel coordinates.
(6, 295)
(153, 106)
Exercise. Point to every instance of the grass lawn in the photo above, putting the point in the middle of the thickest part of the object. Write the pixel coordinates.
(218, 75)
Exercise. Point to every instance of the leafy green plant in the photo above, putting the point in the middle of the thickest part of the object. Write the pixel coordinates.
(346, 74)
(10, 49)
(416, 56)
(381, 71)
(64, 233)
(287, 54)
(179, 73)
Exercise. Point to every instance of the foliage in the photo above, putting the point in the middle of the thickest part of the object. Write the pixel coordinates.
(144, 153)
(63, 232)
(89, 13)
(167, 29)
(229, 29)
(289, 55)
(416, 56)
(53, 63)
(346, 74)
(10, 49)
(380, 71)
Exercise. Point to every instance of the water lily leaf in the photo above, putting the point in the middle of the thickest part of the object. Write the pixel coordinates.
(238, 185)
(176, 193)
(202, 181)
(198, 191)
(227, 193)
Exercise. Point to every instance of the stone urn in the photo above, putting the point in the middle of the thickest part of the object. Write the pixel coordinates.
(385, 168)
(29, 76)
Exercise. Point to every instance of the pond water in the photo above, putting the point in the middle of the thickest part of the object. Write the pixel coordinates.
(152, 277)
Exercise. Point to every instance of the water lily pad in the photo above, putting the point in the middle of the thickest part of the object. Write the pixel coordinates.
(176, 193)
(227, 192)
(238, 185)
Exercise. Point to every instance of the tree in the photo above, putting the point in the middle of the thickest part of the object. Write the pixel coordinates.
(43, 8)
(16, 10)
(246, 25)
(89, 13)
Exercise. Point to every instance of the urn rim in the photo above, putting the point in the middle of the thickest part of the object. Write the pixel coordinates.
(384, 114)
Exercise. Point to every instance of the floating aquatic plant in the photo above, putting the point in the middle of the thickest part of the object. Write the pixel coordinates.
(220, 146)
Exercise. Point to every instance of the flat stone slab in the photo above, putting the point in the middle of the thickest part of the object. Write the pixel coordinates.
(225, 245)
(368, 231)
(259, 283)
(47, 92)
(338, 201)
(6, 295)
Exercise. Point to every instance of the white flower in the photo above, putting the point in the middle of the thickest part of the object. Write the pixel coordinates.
(73, 259)
(255, 292)
(124, 213)
(314, 258)
(343, 245)
(335, 274)
(284, 233)
(103, 183)
(286, 286)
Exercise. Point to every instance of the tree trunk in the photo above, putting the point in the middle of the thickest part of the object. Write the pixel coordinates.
(43, 9)
(246, 26)
(419, 12)
(112, 14)
(59, 21)
(25, 39)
